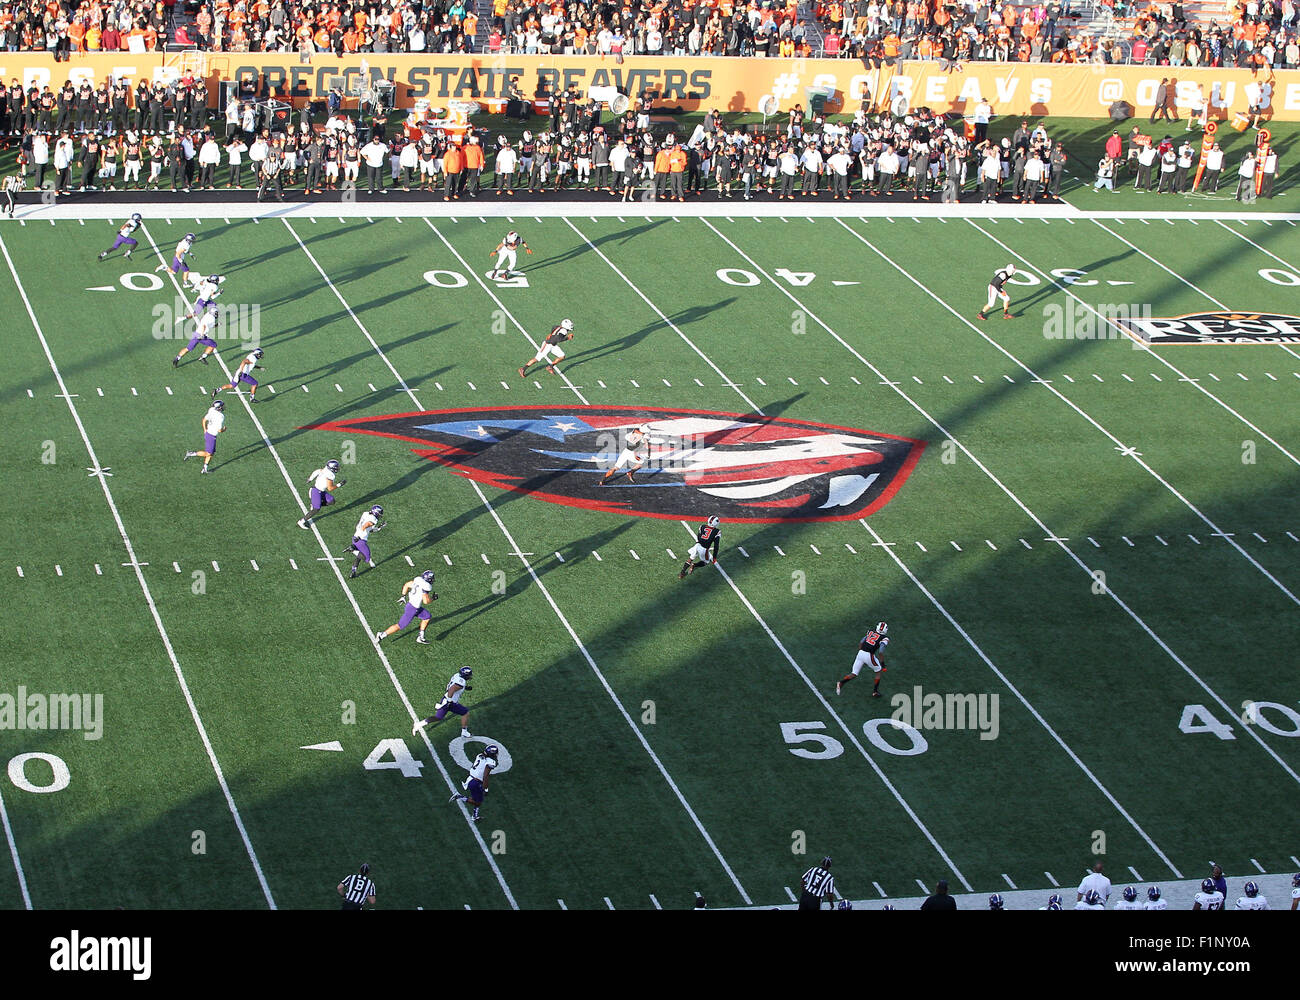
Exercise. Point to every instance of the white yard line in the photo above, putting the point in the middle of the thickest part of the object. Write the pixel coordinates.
(844, 727)
(13, 853)
(356, 608)
(148, 596)
(528, 566)
(889, 549)
(1175, 274)
(1139, 344)
(1125, 450)
(752, 610)
(1048, 534)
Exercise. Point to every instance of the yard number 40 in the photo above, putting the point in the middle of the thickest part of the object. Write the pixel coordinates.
(1197, 719)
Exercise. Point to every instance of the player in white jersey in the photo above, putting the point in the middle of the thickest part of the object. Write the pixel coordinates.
(476, 785)
(633, 456)
(204, 327)
(324, 481)
(1252, 900)
(244, 373)
(507, 252)
(208, 288)
(450, 703)
(360, 544)
(550, 351)
(183, 249)
(415, 596)
(214, 423)
(1154, 902)
(1130, 900)
(124, 237)
(997, 291)
(1209, 898)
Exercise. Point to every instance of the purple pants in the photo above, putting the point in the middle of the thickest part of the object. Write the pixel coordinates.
(123, 241)
(475, 791)
(317, 497)
(195, 341)
(363, 548)
(210, 443)
(411, 612)
(455, 707)
(200, 305)
(246, 378)
(180, 267)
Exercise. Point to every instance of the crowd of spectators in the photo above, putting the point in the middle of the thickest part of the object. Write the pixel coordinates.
(1254, 33)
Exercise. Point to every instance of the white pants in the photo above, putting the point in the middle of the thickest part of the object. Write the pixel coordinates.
(131, 171)
(994, 294)
(629, 457)
(549, 353)
(865, 659)
(506, 259)
(698, 553)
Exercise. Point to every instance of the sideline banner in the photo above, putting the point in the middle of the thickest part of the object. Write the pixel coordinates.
(733, 85)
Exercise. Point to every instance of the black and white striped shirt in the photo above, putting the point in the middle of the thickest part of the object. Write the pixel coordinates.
(817, 881)
(357, 889)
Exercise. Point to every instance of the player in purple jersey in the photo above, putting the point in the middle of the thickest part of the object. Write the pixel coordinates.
(124, 238)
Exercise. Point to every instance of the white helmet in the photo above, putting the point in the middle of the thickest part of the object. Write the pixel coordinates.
(1011, 269)
(566, 324)
(882, 628)
(713, 521)
(512, 236)
(644, 428)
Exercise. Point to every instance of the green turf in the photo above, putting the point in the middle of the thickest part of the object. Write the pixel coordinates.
(275, 657)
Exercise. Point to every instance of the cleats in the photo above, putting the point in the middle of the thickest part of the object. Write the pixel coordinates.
(421, 639)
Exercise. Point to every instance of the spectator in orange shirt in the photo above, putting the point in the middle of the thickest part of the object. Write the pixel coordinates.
(677, 160)
(661, 171)
(453, 165)
(474, 160)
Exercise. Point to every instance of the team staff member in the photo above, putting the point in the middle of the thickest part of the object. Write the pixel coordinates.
(474, 161)
(661, 172)
(374, 153)
(677, 162)
(818, 884)
(940, 900)
(357, 890)
(453, 165)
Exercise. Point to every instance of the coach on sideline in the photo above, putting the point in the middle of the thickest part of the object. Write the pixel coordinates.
(357, 890)
(818, 884)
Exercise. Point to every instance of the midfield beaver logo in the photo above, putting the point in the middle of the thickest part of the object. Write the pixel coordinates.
(698, 462)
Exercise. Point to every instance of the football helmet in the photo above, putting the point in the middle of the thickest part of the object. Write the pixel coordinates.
(332, 465)
(465, 673)
(882, 628)
(218, 405)
(566, 324)
(135, 217)
(1295, 880)
(714, 521)
(1092, 898)
(996, 902)
(1053, 905)
(214, 278)
(1207, 886)
(644, 428)
(528, 136)
(887, 906)
(427, 576)
(1153, 893)
(257, 353)
(491, 750)
(512, 236)
(1130, 893)
(845, 904)
(377, 510)
(1054, 900)
(190, 237)
(1011, 269)
(1252, 889)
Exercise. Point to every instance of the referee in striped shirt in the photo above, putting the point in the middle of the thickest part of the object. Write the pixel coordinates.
(357, 890)
(818, 884)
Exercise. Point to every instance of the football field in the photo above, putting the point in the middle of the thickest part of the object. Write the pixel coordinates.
(1086, 548)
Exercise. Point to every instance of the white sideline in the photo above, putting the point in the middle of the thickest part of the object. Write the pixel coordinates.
(1049, 535)
(338, 574)
(148, 596)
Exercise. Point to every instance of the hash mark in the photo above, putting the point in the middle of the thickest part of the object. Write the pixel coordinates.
(1095, 544)
(1125, 537)
(446, 558)
(1100, 379)
(1056, 884)
(58, 570)
(634, 555)
(255, 567)
(790, 894)
(778, 550)
(850, 548)
(741, 550)
(814, 548)
(922, 547)
(954, 545)
(759, 380)
(671, 554)
(1194, 539)
(408, 561)
(1260, 537)
(98, 571)
(1162, 541)
(20, 572)
(1008, 880)
(1124, 376)
(597, 555)
(1257, 865)
(990, 545)
(292, 564)
(876, 886)
(176, 566)
(1025, 544)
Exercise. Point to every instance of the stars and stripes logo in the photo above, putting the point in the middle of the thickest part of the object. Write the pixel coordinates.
(692, 463)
